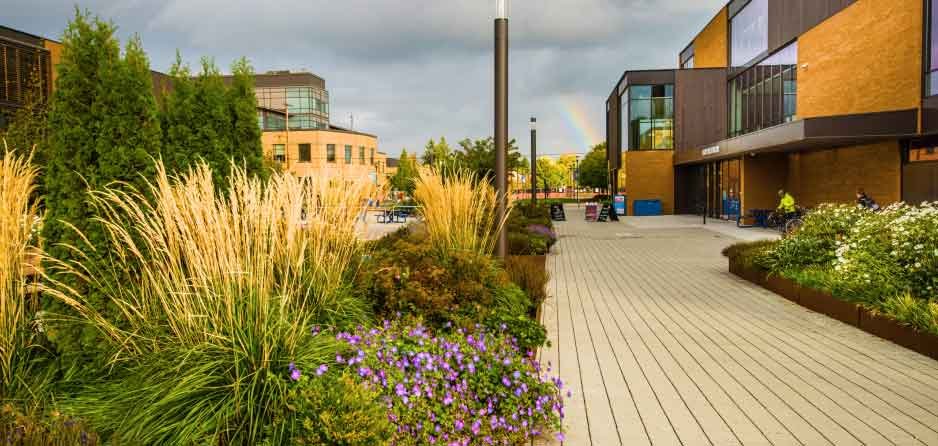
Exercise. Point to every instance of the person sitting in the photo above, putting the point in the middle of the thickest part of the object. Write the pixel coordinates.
(786, 204)
(865, 201)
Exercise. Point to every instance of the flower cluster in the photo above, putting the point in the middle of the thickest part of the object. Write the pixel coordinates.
(543, 231)
(462, 388)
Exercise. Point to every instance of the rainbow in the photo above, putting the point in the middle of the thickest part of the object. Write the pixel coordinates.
(576, 116)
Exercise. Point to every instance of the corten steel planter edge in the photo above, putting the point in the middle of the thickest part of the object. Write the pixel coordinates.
(892, 330)
(783, 287)
(825, 303)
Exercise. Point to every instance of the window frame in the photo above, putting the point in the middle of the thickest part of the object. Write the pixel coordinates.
(282, 156)
(657, 127)
(330, 153)
(348, 154)
(300, 154)
(730, 41)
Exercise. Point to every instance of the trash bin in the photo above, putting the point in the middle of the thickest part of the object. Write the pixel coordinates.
(646, 208)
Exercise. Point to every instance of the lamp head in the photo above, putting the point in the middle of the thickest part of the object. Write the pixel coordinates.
(533, 123)
(501, 9)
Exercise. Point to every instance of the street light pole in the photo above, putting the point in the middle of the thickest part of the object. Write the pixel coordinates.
(533, 161)
(501, 120)
(576, 180)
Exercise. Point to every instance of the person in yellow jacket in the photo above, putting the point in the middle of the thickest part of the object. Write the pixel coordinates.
(786, 204)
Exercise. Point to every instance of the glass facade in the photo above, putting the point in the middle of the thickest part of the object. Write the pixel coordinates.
(688, 64)
(766, 94)
(750, 33)
(305, 153)
(307, 108)
(330, 153)
(650, 111)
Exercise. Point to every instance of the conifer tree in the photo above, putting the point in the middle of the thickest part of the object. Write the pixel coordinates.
(103, 127)
(179, 116)
(213, 127)
(28, 126)
(246, 133)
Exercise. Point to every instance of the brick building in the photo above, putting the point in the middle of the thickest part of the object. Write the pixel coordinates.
(817, 97)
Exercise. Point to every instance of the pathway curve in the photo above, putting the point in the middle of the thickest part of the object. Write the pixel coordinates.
(661, 345)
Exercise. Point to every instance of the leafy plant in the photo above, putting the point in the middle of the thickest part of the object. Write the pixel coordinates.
(18, 429)
(332, 409)
(531, 275)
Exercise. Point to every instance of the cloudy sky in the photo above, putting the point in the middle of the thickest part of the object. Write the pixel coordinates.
(410, 70)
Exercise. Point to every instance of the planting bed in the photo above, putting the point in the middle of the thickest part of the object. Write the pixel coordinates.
(846, 312)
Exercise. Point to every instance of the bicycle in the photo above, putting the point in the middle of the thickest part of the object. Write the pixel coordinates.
(787, 223)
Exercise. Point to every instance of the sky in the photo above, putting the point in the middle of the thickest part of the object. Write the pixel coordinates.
(411, 70)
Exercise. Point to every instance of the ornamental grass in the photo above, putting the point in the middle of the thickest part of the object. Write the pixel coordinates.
(209, 295)
(458, 210)
(18, 252)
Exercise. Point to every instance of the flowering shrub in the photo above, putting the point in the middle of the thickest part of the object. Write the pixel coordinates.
(460, 388)
(816, 242)
(893, 251)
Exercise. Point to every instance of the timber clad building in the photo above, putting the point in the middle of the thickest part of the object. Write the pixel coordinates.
(25, 61)
(817, 97)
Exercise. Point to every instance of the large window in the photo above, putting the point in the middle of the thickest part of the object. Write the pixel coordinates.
(330, 153)
(361, 155)
(750, 32)
(650, 114)
(305, 153)
(932, 74)
(348, 154)
(766, 94)
(688, 64)
(307, 107)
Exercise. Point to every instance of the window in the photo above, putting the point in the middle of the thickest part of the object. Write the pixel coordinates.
(918, 155)
(765, 95)
(305, 154)
(650, 112)
(361, 155)
(688, 64)
(330, 153)
(275, 121)
(348, 154)
(372, 156)
(280, 153)
(750, 32)
(260, 119)
(932, 74)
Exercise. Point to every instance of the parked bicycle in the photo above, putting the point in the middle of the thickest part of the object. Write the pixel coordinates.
(787, 223)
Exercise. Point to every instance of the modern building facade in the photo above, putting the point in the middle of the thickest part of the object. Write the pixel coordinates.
(816, 97)
(26, 61)
(293, 113)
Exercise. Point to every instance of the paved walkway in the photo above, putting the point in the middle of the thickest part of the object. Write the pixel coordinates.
(660, 345)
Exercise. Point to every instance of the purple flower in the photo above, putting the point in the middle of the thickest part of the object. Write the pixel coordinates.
(322, 370)
(295, 374)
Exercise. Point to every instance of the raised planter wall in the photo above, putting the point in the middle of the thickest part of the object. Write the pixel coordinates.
(846, 312)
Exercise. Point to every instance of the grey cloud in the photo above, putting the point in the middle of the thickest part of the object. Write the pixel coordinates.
(414, 69)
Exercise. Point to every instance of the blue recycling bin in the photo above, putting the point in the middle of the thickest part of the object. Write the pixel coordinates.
(646, 208)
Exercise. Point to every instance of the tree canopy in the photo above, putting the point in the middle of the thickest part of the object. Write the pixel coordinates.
(594, 170)
(478, 156)
(403, 179)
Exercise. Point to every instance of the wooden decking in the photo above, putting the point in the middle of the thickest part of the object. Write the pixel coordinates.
(660, 345)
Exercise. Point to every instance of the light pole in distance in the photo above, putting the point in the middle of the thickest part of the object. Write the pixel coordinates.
(501, 120)
(533, 161)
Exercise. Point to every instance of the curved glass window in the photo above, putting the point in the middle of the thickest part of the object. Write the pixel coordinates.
(766, 94)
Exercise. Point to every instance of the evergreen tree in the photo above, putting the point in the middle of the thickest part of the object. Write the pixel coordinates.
(214, 124)
(403, 179)
(246, 134)
(178, 119)
(103, 128)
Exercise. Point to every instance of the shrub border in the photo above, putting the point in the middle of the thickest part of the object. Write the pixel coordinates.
(846, 312)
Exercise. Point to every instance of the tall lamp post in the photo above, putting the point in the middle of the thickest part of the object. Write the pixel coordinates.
(533, 161)
(501, 119)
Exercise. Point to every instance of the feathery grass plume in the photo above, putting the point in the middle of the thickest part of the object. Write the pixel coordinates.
(225, 290)
(18, 255)
(458, 211)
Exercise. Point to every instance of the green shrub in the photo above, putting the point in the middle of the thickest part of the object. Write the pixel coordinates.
(334, 410)
(916, 313)
(817, 240)
(746, 253)
(531, 275)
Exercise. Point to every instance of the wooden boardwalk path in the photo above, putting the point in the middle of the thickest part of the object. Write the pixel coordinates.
(661, 346)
